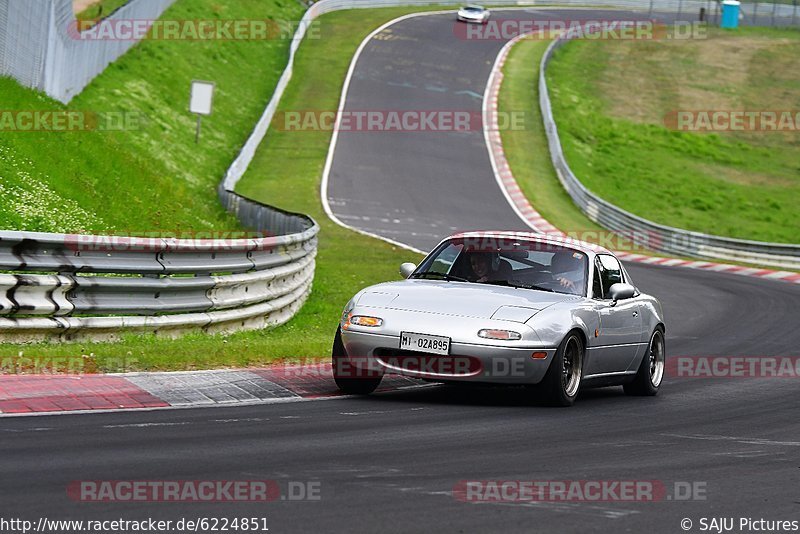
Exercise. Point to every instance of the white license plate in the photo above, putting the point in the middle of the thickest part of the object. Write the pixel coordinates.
(425, 343)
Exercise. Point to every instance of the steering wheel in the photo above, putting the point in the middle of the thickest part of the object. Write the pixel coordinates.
(550, 284)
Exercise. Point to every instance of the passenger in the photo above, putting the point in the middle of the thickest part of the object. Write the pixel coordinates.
(489, 267)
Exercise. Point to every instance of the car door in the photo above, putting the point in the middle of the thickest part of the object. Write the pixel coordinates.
(619, 334)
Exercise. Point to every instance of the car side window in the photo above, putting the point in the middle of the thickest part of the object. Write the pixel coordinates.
(610, 273)
(597, 285)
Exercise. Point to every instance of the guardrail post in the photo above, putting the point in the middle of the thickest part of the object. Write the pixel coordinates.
(794, 11)
(755, 12)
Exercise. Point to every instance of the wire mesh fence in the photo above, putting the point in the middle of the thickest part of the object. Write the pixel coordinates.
(41, 47)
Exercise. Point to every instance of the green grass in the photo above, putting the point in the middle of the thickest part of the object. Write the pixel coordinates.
(151, 177)
(610, 99)
(526, 149)
(287, 173)
(528, 154)
(101, 9)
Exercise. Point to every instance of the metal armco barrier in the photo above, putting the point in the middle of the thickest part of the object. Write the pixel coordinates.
(155, 285)
(659, 237)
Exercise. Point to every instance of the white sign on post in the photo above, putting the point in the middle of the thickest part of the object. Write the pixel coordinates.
(202, 97)
(201, 102)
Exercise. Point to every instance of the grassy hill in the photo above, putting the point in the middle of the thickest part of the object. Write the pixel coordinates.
(613, 100)
(151, 177)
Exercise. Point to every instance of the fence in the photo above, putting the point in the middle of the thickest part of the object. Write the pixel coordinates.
(39, 46)
(160, 285)
(661, 238)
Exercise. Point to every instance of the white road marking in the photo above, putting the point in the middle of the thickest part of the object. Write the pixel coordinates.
(145, 425)
(748, 441)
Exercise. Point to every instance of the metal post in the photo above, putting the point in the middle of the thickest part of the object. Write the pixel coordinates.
(755, 11)
(650, 13)
(774, 6)
(680, 9)
(197, 132)
(794, 11)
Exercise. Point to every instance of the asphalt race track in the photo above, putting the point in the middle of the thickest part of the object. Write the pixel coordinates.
(389, 463)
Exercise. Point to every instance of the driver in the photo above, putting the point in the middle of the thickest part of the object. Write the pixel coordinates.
(488, 267)
(567, 268)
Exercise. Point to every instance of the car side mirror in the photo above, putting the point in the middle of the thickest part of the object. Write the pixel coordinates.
(406, 269)
(621, 291)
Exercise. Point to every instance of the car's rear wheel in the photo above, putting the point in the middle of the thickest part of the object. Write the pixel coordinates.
(562, 382)
(349, 378)
(651, 370)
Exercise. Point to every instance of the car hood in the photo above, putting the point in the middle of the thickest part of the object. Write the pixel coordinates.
(462, 299)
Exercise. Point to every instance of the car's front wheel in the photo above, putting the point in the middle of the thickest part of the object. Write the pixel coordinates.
(651, 370)
(349, 378)
(562, 382)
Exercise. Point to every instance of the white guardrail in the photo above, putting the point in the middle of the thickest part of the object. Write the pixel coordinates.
(67, 287)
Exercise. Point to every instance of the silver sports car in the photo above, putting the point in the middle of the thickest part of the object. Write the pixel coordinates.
(506, 308)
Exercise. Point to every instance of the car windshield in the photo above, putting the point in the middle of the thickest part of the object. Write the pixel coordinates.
(475, 9)
(516, 263)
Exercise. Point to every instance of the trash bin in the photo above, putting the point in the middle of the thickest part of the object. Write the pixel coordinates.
(730, 14)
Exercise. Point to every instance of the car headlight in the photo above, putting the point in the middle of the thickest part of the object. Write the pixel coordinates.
(365, 320)
(344, 319)
(505, 335)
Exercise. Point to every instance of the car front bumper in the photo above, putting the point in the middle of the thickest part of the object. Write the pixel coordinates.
(472, 20)
(467, 362)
